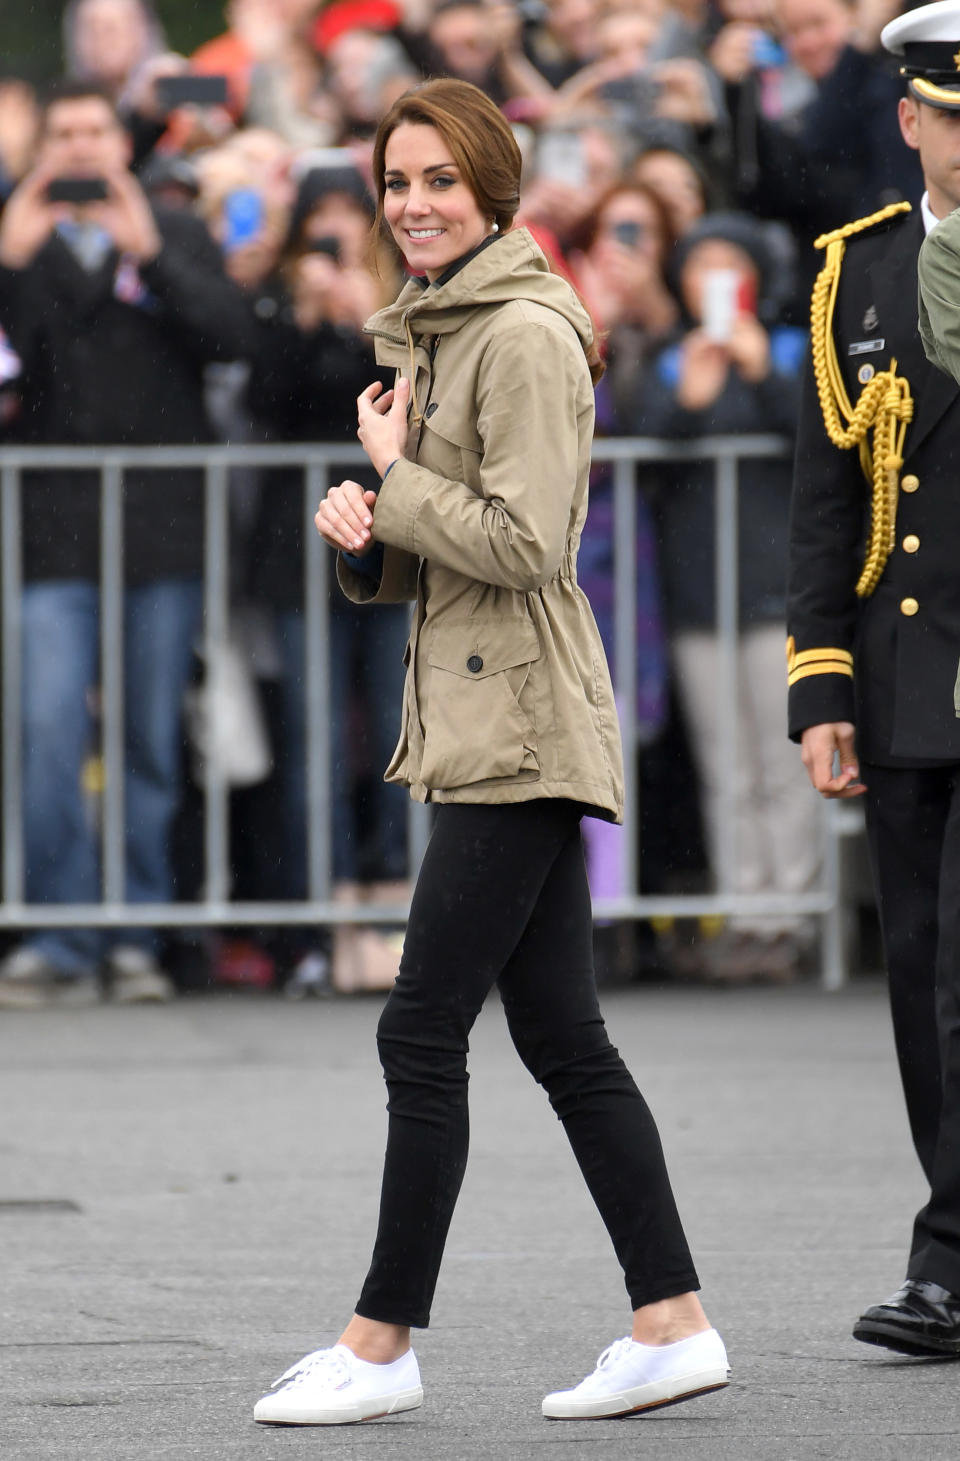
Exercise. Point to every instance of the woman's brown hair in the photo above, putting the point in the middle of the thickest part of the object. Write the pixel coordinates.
(482, 145)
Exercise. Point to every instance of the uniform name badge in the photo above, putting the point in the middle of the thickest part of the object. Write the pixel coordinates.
(865, 347)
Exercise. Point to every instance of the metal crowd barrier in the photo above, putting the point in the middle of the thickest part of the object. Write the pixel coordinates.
(216, 907)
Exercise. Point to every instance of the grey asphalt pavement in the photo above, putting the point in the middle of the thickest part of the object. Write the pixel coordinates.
(188, 1196)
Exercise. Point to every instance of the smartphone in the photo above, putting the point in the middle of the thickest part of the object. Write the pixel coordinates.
(628, 232)
(243, 215)
(76, 190)
(327, 245)
(561, 159)
(766, 51)
(191, 89)
(726, 294)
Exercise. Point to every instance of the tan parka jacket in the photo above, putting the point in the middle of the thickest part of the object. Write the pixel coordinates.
(508, 696)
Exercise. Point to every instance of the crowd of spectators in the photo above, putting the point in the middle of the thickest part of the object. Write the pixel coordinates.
(680, 157)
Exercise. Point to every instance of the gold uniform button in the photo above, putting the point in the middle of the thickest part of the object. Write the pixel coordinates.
(911, 543)
(910, 483)
(909, 607)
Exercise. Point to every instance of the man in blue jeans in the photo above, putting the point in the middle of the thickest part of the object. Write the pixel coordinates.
(113, 310)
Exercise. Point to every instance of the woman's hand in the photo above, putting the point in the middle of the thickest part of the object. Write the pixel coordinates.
(382, 418)
(344, 518)
(749, 348)
(704, 365)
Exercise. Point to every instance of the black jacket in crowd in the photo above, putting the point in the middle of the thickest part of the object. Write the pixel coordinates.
(116, 356)
(303, 387)
(685, 503)
(888, 662)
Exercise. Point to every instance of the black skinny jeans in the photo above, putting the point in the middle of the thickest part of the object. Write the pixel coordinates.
(502, 898)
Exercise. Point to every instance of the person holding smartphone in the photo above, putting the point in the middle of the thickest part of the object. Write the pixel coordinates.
(730, 370)
(113, 310)
(311, 361)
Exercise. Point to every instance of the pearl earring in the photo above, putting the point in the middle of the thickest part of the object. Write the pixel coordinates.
(496, 227)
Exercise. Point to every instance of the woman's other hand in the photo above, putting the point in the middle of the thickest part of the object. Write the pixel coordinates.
(704, 365)
(749, 348)
(382, 423)
(344, 518)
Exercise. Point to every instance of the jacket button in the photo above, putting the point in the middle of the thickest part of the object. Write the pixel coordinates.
(910, 483)
(430, 409)
(909, 607)
(911, 543)
(474, 664)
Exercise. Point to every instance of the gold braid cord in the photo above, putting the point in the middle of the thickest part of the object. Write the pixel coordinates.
(884, 406)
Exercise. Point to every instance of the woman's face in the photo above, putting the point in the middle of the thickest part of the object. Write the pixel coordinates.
(675, 183)
(429, 209)
(631, 220)
(339, 216)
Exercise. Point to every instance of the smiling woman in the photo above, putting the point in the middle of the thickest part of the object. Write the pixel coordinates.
(431, 212)
(510, 728)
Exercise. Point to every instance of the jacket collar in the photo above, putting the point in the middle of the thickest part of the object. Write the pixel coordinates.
(894, 277)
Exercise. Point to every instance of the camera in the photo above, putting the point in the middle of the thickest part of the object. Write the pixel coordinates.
(76, 190)
(191, 90)
(329, 245)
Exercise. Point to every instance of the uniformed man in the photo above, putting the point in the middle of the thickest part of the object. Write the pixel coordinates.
(874, 626)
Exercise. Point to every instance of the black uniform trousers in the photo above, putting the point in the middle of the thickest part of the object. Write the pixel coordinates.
(913, 830)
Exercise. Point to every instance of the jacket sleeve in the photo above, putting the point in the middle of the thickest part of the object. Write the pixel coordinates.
(939, 302)
(513, 534)
(396, 584)
(826, 534)
(200, 303)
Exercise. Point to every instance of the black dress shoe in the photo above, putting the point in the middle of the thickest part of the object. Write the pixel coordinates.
(921, 1318)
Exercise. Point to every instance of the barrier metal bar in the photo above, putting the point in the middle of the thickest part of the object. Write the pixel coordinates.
(320, 773)
(216, 628)
(10, 607)
(726, 542)
(113, 832)
(624, 641)
(210, 912)
(216, 907)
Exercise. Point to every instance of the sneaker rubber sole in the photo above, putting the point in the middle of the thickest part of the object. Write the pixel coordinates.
(651, 1396)
(270, 1410)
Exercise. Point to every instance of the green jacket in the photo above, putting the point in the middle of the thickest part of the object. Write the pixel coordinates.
(508, 696)
(938, 269)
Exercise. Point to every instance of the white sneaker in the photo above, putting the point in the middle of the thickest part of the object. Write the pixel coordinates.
(29, 981)
(334, 1387)
(631, 1376)
(135, 977)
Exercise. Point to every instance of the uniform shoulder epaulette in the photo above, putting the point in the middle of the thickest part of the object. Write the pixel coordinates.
(862, 225)
(884, 407)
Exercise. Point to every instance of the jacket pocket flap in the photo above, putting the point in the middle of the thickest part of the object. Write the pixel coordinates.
(476, 650)
(449, 420)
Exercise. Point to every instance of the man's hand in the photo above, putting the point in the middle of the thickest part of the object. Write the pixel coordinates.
(819, 745)
(28, 220)
(127, 217)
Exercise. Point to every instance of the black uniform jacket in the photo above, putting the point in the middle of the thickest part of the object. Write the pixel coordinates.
(888, 662)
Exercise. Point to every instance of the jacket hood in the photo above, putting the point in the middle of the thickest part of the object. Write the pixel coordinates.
(512, 267)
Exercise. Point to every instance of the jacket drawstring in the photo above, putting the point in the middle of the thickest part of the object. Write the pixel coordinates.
(417, 413)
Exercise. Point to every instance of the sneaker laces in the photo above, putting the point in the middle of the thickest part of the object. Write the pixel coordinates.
(614, 1352)
(328, 1362)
